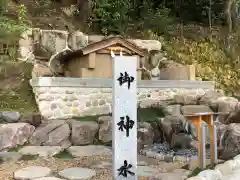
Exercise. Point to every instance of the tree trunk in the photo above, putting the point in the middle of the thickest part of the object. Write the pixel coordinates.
(228, 10)
(85, 9)
(234, 15)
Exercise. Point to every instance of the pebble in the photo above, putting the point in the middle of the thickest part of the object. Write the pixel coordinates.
(32, 172)
(164, 150)
(77, 173)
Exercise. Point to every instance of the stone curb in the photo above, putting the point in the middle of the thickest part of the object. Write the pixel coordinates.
(225, 169)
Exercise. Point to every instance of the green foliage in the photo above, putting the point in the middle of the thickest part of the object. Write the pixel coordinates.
(15, 149)
(117, 16)
(3, 5)
(190, 11)
(15, 90)
(65, 154)
(155, 19)
(149, 114)
(10, 27)
(210, 60)
(28, 157)
(111, 15)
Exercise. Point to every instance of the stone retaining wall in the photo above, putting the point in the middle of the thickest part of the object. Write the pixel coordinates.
(67, 97)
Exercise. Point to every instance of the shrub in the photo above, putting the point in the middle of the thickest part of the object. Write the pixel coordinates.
(211, 61)
(112, 16)
(118, 16)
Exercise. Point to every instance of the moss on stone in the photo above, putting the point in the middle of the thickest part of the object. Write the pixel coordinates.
(64, 155)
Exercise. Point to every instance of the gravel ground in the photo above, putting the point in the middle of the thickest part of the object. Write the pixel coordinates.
(8, 168)
(164, 148)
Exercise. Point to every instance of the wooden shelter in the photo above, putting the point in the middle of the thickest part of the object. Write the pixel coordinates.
(94, 60)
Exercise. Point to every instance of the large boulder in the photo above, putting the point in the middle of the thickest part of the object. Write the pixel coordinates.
(233, 117)
(41, 70)
(230, 141)
(148, 44)
(195, 109)
(145, 133)
(165, 63)
(210, 96)
(173, 124)
(26, 46)
(157, 131)
(83, 132)
(10, 116)
(34, 119)
(14, 134)
(51, 133)
(225, 105)
(150, 103)
(140, 145)
(188, 98)
(181, 141)
(221, 128)
(172, 110)
(105, 129)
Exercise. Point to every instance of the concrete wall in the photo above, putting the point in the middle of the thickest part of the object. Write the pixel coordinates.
(66, 97)
(178, 73)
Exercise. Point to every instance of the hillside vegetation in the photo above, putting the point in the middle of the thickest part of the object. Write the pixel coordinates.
(205, 32)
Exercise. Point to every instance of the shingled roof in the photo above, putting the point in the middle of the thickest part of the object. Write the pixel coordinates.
(104, 44)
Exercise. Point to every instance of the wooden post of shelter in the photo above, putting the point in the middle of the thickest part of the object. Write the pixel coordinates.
(196, 120)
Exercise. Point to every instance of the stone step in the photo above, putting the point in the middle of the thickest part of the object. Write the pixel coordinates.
(91, 150)
(77, 173)
(42, 151)
(32, 172)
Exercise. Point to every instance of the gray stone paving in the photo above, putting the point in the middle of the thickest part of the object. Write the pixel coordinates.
(10, 156)
(48, 178)
(91, 150)
(144, 168)
(32, 172)
(43, 151)
(77, 173)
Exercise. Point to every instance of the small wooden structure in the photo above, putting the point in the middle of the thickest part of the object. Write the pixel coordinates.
(94, 60)
(196, 120)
